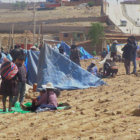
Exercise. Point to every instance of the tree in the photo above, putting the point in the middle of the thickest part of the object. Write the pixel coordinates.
(96, 33)
(19, 5)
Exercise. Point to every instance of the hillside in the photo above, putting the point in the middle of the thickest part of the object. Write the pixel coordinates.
(8, 16)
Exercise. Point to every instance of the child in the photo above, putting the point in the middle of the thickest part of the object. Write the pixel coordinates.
(92, 68)
(9, 84)
(22, 79)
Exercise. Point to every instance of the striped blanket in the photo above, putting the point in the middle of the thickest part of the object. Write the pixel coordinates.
(8, 70)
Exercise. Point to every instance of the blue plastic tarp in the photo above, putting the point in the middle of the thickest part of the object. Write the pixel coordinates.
(66, 48)
(84, 54)
(63, 73)
(31, 66)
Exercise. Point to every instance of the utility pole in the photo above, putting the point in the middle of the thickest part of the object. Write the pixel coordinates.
(13, 26)
(34, 24)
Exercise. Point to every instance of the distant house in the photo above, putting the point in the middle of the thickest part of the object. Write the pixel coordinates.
(70, 37)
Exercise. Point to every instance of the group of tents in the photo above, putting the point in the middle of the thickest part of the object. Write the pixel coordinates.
(49, 65)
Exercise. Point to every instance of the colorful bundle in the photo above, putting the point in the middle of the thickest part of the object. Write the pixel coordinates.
(8, 70)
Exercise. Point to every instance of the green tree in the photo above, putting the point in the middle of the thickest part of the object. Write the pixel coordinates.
(96, 33)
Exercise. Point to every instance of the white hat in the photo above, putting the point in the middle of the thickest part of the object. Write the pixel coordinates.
(115, 41)
(48, 86)
(33, 47)
(93, 62)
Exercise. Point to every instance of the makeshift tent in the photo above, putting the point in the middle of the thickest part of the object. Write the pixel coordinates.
(66, 47)
(63, 73)
(31, 65)
(84, 54)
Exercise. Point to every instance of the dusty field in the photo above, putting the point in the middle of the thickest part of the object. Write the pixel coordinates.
(102, 113)
(7, 16)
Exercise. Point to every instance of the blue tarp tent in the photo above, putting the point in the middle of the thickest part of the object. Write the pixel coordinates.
(66, 47)
(84, 54)
(31, 66)
(63, 73)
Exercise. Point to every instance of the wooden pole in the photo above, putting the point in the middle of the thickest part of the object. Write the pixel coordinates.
(34, 24)
(9, 41)
(39, 31)
(26, 41)
(13, 26)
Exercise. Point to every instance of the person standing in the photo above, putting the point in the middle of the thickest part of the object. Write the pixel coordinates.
(127, 55)
(75, 55)
(22, 79)
(9, 84)
(113, 49)
(134, 53)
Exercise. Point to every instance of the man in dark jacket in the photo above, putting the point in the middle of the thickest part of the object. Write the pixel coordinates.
(127, 50)
(134, 53)
(113, 49)
(75, 55)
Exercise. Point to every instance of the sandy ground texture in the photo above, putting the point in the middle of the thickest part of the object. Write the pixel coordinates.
(102, 113)
(7, 16)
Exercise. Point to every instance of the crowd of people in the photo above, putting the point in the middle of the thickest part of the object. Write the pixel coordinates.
(14, 73)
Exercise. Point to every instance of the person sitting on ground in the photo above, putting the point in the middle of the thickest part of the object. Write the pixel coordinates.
(110, 68)
(22, 81)
(92, 68)
(104, 53)
(75, 55)
(47, 99)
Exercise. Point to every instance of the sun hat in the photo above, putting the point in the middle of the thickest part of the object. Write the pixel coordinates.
(48, 86)
(115, 41)
(93, 62)
(33, 47)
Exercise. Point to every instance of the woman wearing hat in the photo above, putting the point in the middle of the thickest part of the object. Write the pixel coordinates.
(47, 99)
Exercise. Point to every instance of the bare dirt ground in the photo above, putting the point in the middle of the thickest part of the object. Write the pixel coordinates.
(7, 16)
(103, 113)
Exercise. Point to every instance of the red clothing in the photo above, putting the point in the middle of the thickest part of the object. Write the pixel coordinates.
(48, 98)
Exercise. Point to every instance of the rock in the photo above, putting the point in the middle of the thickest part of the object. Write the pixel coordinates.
(118, 112)
(82, 113)
(107, 92)
(45, 138)
(90, 138)
(97, 109)
(113, 113)
(31, 124)
(81, 92)
(96, 115)
(105, 110)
